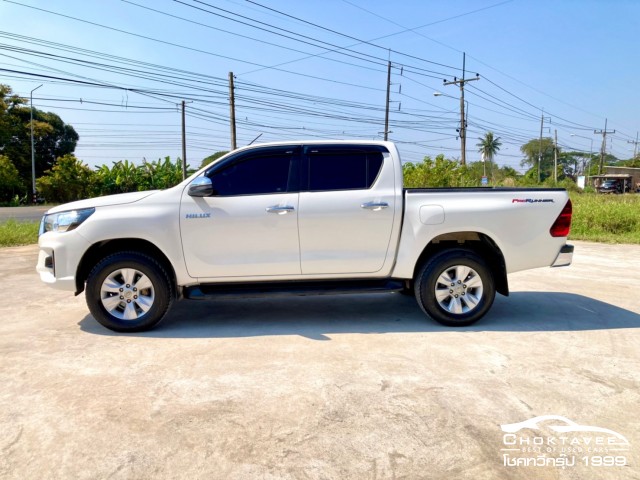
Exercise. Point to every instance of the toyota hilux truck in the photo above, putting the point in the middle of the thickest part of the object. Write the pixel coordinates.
(317, 217)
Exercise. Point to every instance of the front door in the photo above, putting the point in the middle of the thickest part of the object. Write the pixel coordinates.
(249, 227)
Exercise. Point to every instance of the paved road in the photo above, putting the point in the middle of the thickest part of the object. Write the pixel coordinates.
(350, 387)
(22, 213)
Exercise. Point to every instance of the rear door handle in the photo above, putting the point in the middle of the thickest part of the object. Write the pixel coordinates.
(280, 210)
(375, 206)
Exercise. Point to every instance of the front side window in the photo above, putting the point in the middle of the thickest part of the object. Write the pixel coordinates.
(255, 174)
(343, 170)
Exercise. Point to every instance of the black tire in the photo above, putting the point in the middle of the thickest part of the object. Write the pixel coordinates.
(463, 303)
(127, 308)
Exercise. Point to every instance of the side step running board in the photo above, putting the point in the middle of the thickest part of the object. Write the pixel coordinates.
(247, 290)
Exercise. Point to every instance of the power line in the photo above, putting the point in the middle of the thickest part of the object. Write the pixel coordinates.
(360, 41)
(205, 52)
(262, 41)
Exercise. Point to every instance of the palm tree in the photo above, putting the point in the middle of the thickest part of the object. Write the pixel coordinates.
(488, 147)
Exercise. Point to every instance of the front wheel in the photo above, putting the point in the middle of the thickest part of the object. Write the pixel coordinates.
(128, 292)
(455, 287)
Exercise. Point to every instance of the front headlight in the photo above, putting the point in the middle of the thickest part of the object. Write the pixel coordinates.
(64, 221)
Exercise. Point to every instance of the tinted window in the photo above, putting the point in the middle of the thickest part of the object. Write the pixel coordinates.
(343, 170)
(258, 174)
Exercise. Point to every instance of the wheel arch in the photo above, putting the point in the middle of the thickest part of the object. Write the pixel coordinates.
(480, 243)
(100, 250)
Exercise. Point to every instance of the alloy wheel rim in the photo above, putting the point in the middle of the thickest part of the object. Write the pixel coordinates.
(127, 294)
(459, 289)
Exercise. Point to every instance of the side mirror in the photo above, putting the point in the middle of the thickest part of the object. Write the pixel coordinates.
(201, 187)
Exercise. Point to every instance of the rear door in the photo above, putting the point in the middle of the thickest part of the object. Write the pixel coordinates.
(346, 210)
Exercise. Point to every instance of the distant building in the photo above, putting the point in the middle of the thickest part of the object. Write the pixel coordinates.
(629, 178)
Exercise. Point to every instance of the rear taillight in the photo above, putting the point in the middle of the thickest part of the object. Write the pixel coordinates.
(562, 226)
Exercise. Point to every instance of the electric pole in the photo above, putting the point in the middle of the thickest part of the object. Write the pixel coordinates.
(635, 145)
(540, 151)
(232, 111)
(34, 194)
(604, 144)
(463, 122)
(184, 145)
(386, 112)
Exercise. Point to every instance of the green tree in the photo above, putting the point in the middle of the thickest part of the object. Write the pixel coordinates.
(531, 151)
(10, 183)
(69, 179)
(576, 162)
(8, 103)
(572, 164)
(52, 137)
(213, 157)
(488, 146)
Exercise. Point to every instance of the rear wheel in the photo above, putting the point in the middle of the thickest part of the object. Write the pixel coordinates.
(455, 287)
(128, 292)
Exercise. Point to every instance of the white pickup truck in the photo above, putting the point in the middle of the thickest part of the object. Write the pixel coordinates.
(301, 218)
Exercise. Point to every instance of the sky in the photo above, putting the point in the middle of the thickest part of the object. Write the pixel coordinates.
(118, 70)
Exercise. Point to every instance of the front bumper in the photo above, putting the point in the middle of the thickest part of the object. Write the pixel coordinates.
(59, 257)
(565, 257)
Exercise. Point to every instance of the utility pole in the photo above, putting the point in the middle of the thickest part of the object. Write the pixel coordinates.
(635, 145)
(386, 112)
(555, 158)
(540, 151)
(463, 121)
(34, 194)
(184, 145)
(232, 111)
(604, 144)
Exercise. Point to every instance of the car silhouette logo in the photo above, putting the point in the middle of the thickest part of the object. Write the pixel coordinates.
(559, 424)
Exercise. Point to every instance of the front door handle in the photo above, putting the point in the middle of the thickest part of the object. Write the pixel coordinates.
(375, 206)
(280, 210)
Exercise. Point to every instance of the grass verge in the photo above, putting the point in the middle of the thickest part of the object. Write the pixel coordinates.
(13, 233)
(606, 218)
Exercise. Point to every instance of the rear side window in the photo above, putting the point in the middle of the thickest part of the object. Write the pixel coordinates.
(266, 173)
(343, 170)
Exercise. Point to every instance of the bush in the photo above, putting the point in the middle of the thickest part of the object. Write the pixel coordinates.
(440, 172)
(68, 180)
(443, 172)
(160, 174)
(124, 176)
(565, 183)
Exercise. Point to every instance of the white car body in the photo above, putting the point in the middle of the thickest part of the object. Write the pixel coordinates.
(380, 232)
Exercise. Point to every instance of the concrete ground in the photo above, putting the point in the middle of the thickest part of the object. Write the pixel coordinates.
(341, 387)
